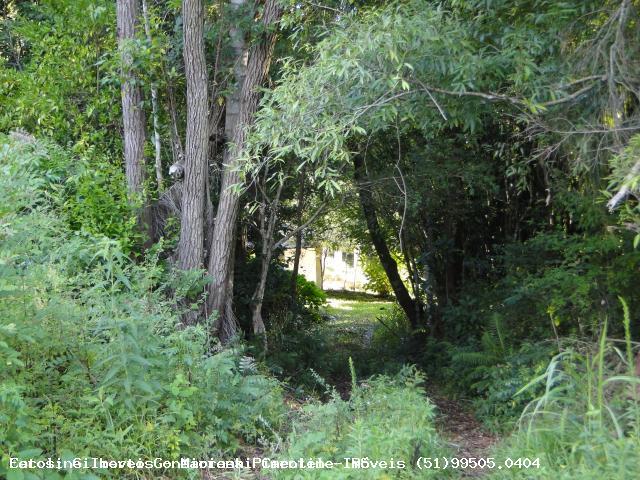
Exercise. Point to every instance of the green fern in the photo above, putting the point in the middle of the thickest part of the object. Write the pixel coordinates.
(494, 347)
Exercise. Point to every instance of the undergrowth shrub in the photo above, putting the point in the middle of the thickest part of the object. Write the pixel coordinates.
(384, 418)
(559, 284)
(294, 353)
(295, 341)
(493, 373)
(279, 310)
(586, 423)
(93, 361)
(93, 198)
(554, 285)
(393, 329)
(377, 280)
(86, 190)
(309, 294)
(391, 341)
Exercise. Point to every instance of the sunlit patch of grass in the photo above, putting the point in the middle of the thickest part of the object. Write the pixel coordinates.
(353, 321)
(361, 311)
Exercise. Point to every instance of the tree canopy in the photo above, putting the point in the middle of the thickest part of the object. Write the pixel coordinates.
(178, 177)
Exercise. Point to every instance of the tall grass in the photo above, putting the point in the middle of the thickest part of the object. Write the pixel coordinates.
(586, 424)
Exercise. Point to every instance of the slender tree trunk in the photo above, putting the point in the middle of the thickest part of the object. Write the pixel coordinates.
(216, 108)
(267, 231)
(176, 143)
(133, 118)
(258, 297)
(319, 266)
(637, 372)
(241, 108)
(389, 265)
(296, 267)
(432, 286)
(293, 289)
(154, 106)
(191, 247)
(412, 270)
(216, 114)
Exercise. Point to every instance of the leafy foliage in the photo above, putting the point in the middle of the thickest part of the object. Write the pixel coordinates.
(60, 79)
(491, 134)
(384, 418)
(377, 280)
(93, 364)
(625, 175)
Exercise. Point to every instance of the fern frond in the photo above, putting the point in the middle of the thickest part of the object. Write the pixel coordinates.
(475, 359)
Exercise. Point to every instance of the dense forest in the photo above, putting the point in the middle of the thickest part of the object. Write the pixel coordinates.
(168, 165)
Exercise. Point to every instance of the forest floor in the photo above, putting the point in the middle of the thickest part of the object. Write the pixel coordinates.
(353, 322)
(457, 424)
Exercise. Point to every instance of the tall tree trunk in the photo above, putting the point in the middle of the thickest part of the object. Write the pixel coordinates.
(241, 109)
(221, 258)
(154, 106)
(389, 265)
(191, 247)
(133, 118)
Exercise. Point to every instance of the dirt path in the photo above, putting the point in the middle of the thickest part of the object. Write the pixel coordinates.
(353, 325)
(465, 434)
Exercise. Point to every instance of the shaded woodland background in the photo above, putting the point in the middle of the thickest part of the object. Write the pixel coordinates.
(158, 156)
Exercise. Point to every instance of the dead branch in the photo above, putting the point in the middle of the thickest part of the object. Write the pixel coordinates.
(625, 189)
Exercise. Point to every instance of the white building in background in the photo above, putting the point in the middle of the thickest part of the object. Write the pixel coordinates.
(330, 269)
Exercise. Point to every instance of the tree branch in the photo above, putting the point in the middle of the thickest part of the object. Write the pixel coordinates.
(302, 227)
(625, 189)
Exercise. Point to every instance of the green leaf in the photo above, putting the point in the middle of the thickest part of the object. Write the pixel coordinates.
(29, 453)
(15, 474)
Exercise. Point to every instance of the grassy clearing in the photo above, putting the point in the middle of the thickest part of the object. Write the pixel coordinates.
(355, 312)
(348, 333)
(353, 323)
